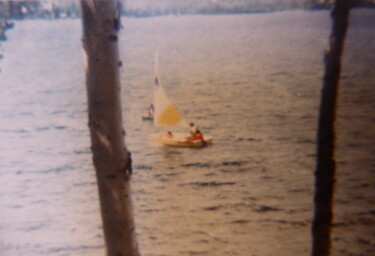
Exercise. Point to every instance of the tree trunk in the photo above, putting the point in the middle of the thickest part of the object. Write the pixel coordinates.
(101, 22)
(325, 170)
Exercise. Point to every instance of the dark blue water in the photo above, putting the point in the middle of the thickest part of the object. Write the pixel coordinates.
(251, 81)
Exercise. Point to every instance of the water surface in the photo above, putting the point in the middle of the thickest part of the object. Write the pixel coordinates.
(251, 81)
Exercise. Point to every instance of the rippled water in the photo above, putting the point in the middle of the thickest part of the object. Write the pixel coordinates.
(250, 81)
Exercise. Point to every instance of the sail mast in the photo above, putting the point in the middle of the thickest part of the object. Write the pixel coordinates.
(166, 114)
(156, 67)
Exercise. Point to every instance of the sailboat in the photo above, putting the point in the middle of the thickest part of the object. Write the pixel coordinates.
(149, 115)
(166, 114)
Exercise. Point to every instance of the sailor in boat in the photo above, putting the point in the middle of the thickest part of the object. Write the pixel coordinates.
(169, 135)
(193, 129)
(198, 136)
(149, 115)
(151, 110)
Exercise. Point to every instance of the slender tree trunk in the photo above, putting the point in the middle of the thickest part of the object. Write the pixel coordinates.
(101, 22)
(325, 170)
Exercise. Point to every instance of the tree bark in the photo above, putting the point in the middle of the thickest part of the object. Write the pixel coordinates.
(101, 22)
(325, 170)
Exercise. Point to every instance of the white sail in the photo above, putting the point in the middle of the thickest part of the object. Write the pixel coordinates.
(166, 114)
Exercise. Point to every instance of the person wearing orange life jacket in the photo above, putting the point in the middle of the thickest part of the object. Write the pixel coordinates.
(198, 136)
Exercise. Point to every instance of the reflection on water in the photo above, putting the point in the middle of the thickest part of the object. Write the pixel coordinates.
(250, 81)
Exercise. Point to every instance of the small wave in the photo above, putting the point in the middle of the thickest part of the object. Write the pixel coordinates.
(199, 165)
(84, 184)
(29, 227)
(305, 141)
(57, 112)
(78, 248)
(82, 152)
(249, 139)
(203, 241)
(241, 205)
(26, 113)
(265, 208)
(16, 206)
(43, 128)
(210, 174)
(150, 210)
(21, 131)
(281, 117)
(304, 117)
(236, 83)
(365, 213)
(287, 222)
(39, 202)
(240, 170)
(162, 179)
(298, 190)
(60, 127)
(283, 138)
(142, 167)
(233, 163)
(140, 191)
(266, 177)
(281, 74)
(195, 252)
(56, 170)
(343, 224)
(171, 174)
(208, 184)
(240, 221)
(212, 208)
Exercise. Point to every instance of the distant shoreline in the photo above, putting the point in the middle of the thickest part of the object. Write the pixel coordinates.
(149, 15)
(63, 9)
(4, 26)
(140, 14)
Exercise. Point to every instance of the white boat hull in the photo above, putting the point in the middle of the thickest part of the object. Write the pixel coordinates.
(147, 117)
(180, 140)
